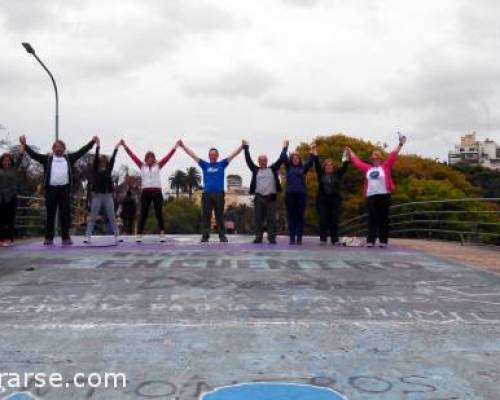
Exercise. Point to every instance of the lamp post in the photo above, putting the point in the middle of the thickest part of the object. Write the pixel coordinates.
(31, 51)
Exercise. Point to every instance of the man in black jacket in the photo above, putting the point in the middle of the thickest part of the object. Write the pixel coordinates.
(265, 184)
(57, 180)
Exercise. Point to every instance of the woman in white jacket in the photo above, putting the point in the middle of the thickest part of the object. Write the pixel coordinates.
(151, 187)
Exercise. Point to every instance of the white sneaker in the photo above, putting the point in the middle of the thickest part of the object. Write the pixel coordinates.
(138, 239)
(382, 245)
(86, 240)
(369, 244)
(162, 238)
(118, 239)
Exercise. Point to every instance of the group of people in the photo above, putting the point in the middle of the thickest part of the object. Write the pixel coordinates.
(265, 185)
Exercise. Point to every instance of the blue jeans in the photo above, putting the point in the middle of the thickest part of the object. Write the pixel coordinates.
(100, 200)
(295, 207)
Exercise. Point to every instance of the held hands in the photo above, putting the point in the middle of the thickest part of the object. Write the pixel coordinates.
(244, 142)
(286, 142)
(402, 139)
(313, 150)
(22, 140)
(180, 144)
(96, 140)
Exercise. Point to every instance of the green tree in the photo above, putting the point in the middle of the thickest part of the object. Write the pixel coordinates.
(193, 180)
(178, 182)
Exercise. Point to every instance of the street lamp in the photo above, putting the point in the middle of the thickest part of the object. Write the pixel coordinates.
(31, 50)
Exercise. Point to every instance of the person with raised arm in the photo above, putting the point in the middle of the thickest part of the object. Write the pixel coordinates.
(102, 191)
(296, 193)
(378, 187)
(213, 188)
(265, 185)
(151, 187)
(58, 179)
(9, 185)
(329, 199)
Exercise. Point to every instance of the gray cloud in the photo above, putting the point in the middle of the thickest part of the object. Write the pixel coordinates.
(345, 104)
(244, 81)
(92, 44)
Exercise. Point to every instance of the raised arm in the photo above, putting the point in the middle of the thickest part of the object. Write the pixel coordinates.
(131, 154)
(343, 168)
(113, 157)
(96, 157)
(283, 156)
(41, 158)
(165, 159)
(235, 152)
(362, 166)
(313, 155)
(189, 152)
(74, 157)
(251, 165)
(393, 155)
(318, 168)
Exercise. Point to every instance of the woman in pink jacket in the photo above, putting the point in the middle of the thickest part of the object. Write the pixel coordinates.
(378, 188)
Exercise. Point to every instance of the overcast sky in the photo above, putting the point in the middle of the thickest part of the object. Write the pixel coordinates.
(215, 71)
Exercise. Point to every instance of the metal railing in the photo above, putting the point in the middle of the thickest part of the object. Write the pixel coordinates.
(468, 220)
(31, 214)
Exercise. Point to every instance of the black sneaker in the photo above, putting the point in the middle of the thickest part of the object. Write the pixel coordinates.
(272, 240)
(223, 239)
(48, 242)
(204, 239)
(257, 240)
(292, 241)
(299, 240)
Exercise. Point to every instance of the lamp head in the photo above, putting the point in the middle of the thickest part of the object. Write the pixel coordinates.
(28, 48)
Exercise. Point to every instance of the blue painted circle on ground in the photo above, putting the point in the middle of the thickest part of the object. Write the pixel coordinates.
(20, 396)
(272, 391)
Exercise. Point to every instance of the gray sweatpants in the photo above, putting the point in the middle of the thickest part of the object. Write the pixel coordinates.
(100, 200)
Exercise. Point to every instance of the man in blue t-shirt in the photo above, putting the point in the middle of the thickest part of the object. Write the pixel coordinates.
(213, 191)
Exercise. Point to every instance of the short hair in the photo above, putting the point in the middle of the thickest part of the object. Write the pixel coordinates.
(327, 161)
(59, 141)
(4, 156)
(213, 149)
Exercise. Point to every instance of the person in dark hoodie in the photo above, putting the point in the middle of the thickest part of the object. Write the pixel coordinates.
(58, 178)
(102, 192)
(9, 182)
(265, 184)
(128, 212)
(296, 193)
(329, 200)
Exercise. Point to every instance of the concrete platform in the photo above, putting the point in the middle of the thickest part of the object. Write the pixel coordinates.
(182, 318)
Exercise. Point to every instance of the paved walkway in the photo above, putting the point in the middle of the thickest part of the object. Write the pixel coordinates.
(181, 318)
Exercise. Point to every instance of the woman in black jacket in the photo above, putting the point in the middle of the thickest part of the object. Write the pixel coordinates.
(329, 200)
(102, 191)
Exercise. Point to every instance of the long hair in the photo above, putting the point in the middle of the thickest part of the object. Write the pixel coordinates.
(293, 154)
(4, 156)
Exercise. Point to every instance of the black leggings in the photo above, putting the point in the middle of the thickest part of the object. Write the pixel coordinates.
(7, 218)
(147, 197)
(329, 208)
(378, 217)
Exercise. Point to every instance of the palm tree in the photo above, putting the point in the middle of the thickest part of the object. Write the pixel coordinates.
(178, 182)
(193, 180)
